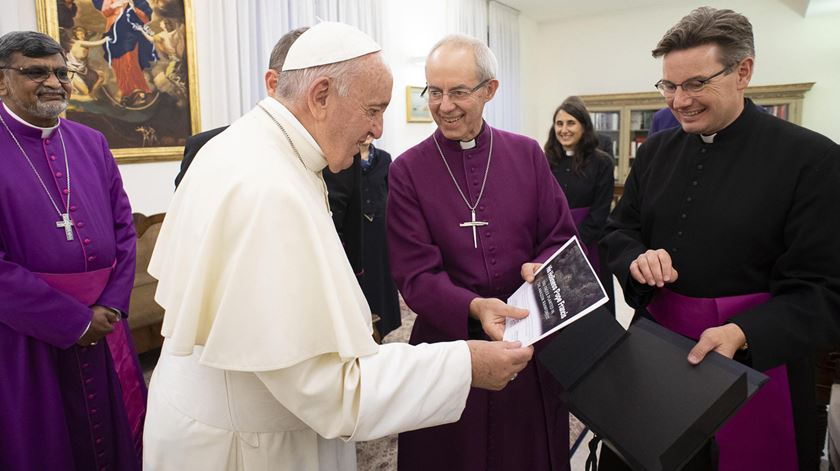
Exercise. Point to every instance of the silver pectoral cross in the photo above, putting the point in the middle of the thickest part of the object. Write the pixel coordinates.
(67, 225)
(474, 224)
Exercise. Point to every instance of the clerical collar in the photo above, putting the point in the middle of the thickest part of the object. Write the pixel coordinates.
(479, 140)
(45, 132)
(708, 139)
(569, 153)
(287, 115)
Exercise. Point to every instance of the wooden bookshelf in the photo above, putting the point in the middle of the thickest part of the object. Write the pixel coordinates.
(625, 117)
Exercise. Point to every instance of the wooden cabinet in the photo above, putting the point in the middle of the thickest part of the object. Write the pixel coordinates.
(626, 117)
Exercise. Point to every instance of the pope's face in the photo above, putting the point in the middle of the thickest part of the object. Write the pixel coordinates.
(357, 116)
(37, 103)
(452, 68)
(719, 102)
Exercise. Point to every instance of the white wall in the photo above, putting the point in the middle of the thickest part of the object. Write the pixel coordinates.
(611, 54)
(407, 38)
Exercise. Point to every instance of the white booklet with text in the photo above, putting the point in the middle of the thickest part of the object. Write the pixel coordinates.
(565, 289)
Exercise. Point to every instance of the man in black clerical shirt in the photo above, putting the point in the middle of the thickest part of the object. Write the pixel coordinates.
(727, 233)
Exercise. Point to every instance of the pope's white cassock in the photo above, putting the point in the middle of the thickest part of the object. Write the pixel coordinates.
(268, 361)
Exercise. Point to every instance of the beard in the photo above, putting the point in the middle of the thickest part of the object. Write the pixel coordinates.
(51, 109)
(45, 110)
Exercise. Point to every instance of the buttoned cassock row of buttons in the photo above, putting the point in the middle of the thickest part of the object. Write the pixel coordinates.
(52, 161)
(476, 181)
(695, 183)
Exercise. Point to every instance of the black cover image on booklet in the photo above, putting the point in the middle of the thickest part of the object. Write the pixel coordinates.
(564, 289)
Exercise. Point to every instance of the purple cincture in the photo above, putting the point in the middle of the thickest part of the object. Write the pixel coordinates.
(760, 436)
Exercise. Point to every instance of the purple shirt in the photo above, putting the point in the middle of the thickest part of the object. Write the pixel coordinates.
(433, 260)
(439, 271)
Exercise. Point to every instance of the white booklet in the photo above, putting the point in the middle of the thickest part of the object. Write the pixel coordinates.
(564, 290)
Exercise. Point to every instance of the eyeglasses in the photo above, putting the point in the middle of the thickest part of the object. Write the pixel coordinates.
(694, 85)
(42, 74)
(459, 94)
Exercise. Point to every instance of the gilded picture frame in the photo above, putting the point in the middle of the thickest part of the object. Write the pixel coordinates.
(136, 78)
(416, 107)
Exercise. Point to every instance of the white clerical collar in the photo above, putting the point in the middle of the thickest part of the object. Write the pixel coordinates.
(569, 153)
(466, 145)
(45, 132)
(708, 139)
(284, 112)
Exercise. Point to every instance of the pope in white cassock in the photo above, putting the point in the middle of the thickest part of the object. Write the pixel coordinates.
(268, 361)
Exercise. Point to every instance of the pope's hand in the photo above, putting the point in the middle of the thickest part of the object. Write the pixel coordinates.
(726, 340)
(495, 364)
(653, 268)
(492, 313)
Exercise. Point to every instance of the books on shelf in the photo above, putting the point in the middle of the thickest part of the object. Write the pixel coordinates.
(779, 111)
(605, 120)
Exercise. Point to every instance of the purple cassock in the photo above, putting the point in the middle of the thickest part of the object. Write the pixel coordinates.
(439, 271)
(63, 406)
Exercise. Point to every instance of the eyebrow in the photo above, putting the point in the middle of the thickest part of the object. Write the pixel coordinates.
(435, 87)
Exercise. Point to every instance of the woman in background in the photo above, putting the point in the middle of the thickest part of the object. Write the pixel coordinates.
(585, 173)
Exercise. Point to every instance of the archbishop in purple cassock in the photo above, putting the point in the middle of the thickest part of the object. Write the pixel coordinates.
(439, 272)
(61, 404)
(456, 276)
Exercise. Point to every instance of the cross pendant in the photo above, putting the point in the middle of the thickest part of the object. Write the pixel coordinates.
(67, 225)
(473, 224)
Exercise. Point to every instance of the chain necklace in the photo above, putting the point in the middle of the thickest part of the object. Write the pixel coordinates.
(65, 223)
(294, 148)
(472, 223)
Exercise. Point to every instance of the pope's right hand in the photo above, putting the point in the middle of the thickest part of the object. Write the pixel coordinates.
(495, 364)
(493, 314)
(653, 268)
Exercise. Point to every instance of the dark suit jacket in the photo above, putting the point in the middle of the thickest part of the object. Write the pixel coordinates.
(194, 143)
(345, 196)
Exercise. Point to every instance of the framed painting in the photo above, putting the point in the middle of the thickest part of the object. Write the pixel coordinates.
(416, 107)
(135, 74)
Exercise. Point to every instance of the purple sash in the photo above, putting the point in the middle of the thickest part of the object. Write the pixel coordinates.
(578, 215)
(86, 288)
(761, 435)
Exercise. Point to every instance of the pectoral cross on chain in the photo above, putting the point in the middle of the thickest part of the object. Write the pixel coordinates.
(66, 224)
(473, 224)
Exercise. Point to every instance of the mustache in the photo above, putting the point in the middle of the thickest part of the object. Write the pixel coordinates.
(43, 89)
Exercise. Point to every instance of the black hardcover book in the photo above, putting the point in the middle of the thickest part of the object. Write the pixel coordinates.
(637, 390)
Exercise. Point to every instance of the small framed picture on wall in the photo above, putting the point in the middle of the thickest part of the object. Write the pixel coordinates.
(416, 107)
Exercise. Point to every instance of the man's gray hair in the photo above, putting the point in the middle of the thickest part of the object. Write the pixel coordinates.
(292, 84)
(730, 31)
(485, 61)
(29, 44)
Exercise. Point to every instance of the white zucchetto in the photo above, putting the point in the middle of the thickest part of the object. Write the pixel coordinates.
(327, 43)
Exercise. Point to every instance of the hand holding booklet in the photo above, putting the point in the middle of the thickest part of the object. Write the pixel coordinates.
(565, 289)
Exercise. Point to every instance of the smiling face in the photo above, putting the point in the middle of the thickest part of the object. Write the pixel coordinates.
(452, 67)
(357, 116)
(39, 104)
(568, 130)
(720, 101)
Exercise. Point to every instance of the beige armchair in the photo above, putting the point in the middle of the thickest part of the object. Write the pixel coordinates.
(145, 315)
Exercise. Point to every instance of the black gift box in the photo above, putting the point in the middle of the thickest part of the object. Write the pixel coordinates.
(636, 389)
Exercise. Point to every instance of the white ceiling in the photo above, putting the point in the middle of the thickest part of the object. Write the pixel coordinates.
(551, 10)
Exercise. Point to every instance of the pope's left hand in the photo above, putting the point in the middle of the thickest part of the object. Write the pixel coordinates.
(726, 340)
(529, 270)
